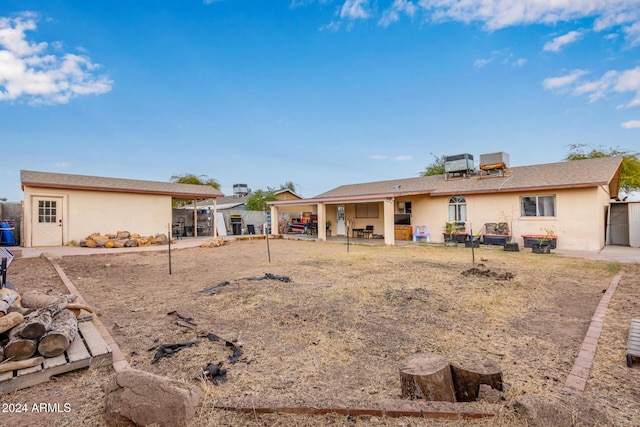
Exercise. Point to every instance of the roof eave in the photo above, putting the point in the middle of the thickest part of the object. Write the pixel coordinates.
(187, 196)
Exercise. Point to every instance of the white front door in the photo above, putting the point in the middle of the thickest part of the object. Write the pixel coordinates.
(46, 221)
(340, 221)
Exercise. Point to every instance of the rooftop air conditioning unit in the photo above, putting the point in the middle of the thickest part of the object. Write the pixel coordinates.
(494, 161)
(458, 163)
(240, 189)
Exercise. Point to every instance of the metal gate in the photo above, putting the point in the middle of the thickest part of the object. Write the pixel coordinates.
(618, 224)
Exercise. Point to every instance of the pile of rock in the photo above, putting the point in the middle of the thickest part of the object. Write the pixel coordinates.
(122, 239)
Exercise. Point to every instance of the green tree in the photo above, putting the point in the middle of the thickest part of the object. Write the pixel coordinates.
(289, 185)
(189, 178)
(434, 168)
(630, 172)
(258, 200)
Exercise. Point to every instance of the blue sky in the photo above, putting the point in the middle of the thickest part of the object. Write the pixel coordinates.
(318, 92)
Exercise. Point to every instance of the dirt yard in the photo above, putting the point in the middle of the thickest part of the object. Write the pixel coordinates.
(339, 329)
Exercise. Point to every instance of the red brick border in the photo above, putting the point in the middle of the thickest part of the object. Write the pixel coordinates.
(579, 375)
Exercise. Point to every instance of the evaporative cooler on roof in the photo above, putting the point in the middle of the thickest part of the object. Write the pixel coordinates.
(494, 163)
(459, 165)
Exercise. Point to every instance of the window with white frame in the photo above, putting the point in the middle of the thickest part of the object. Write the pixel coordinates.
(538, 205)
(457, 209)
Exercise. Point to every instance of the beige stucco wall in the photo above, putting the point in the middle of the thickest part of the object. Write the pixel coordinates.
(579, 222)
(87, 212)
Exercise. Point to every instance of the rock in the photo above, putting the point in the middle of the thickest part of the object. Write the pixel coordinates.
(90, 243)
(122, 235)
(110, 244)
(143, 398)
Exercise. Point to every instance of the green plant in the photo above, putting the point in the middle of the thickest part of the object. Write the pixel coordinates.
(613, 267)
(328, 224)
(545, 239)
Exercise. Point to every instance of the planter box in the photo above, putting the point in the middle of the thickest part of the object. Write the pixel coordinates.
(459, 238)
(534, 239)
(541, 249)
(495, 239)
(469, 243)
(511, 247)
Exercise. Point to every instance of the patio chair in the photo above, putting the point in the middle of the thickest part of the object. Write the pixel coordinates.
(367, 232)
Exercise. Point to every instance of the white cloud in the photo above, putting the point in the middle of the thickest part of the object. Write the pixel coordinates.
(403, 157)
(392, 14)
(28, 71)
(355, 9)
(497, 14)
(611, 82)
(502, 57)
(378, 157)
(520, 62)
(555, 83)
(62, 165)
(560, 42)
(481, 63)
(629, 81)
(631, 124)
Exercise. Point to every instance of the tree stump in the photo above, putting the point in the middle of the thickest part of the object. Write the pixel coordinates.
(427, 376)
(469, 370)
(63, 331)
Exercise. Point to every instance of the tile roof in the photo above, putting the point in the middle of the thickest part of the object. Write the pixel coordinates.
(97, 183)
(569, 174)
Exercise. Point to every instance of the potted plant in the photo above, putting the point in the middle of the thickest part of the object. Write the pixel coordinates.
(473, 240)
(448, 232)
(543, 242)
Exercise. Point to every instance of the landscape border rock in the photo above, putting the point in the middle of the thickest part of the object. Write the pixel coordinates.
(145, 398)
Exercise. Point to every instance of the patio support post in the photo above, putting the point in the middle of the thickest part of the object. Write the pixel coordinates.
(275, 222)
(389, 231)
(195, 217)
(322, 222)
(215, 218)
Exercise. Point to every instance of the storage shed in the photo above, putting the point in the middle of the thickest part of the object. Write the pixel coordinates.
(60, 208)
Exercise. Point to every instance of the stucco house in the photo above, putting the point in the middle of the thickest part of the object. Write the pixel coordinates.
(571, 200)
(59, 208)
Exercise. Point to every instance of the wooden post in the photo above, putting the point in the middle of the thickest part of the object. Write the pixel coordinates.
(427, 376)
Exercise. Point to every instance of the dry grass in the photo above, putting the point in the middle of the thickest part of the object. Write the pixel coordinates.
(340, 328)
